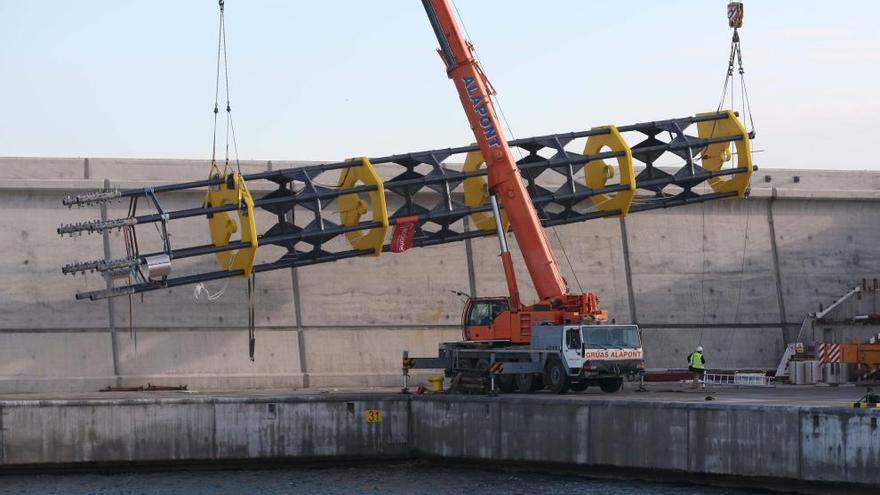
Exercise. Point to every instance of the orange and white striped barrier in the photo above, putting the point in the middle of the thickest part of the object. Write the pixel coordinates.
(830, 353)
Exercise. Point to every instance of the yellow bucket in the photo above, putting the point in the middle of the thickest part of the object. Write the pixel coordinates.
(436, 383)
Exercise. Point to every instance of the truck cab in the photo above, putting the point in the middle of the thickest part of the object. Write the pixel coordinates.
(480, 314)
(600, 355)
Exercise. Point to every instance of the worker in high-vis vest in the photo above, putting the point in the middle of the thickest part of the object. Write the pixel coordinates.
(697, 365)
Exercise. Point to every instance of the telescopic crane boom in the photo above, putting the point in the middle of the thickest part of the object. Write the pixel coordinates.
(505, 183)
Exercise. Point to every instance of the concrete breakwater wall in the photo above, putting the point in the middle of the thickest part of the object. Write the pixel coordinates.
(761, 441)
(736, 276)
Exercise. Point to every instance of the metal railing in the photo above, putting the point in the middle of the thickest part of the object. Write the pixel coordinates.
(737, 379)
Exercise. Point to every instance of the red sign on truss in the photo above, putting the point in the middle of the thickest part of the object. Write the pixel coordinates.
(403, 234)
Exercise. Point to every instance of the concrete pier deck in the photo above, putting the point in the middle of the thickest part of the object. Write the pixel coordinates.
(661, 392)
(786, 434)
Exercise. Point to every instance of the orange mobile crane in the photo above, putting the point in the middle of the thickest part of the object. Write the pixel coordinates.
(559, 342)
(539, 344)
(506, 189)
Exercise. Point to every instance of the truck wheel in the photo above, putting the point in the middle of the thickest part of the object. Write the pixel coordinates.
(528, 383)
(610, 385)
(506, 383)
(556, 378)
(579, 386)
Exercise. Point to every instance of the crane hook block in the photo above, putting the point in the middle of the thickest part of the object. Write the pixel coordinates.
(232, 191)
(352, 206)
(716, 154)
(597, 172)
(735, 11)
(476, 193)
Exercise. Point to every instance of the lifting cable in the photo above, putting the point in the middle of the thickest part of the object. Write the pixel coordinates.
(223, 61)
(742, 270)
(703, 272)
(230, 128)
(201, 288)
(735, 14)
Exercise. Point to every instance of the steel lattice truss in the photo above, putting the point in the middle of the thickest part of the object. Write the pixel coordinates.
(571, 177)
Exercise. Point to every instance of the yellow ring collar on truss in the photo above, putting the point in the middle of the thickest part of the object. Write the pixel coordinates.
(233, 191)
(716, 154)
(476, 194)
(597, 172)
(352, 206)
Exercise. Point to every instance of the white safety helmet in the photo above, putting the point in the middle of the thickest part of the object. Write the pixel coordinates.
(699, 348)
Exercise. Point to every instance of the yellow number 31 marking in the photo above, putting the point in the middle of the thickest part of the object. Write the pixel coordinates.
(373, 416)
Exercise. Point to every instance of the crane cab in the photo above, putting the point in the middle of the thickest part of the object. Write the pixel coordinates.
(490, 319)
(478, 319)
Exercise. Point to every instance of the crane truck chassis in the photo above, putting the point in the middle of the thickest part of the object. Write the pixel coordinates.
(560, 358)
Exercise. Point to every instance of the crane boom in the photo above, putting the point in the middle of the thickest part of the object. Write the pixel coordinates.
(505, 181)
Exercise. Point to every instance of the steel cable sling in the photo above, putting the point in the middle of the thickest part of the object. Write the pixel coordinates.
(223, 59)
(735, 15)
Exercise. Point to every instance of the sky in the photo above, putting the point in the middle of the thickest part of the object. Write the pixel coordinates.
(333, 79)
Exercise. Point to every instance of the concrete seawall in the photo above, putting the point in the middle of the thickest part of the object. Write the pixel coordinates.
(736, 276)
(781, 443)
